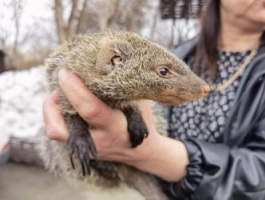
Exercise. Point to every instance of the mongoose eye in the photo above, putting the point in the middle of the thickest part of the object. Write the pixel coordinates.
(164, 72)
(116, 60)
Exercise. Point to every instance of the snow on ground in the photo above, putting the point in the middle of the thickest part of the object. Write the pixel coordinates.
(21, 97)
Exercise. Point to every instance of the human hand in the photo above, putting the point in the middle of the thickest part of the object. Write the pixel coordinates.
(108, 127)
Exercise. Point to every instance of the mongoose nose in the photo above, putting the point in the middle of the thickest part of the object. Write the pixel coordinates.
(205, 89)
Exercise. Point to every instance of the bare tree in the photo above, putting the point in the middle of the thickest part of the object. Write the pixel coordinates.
(17, 6)
(72, 25)
(58, 11)
(89, 16)
(2, 56)
(122, 14)
(82, 16)
(72, 18)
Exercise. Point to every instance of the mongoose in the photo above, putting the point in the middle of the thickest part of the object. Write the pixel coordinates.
(121, 68)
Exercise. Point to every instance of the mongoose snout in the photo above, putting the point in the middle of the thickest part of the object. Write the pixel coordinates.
(120, 68)
(205, 90)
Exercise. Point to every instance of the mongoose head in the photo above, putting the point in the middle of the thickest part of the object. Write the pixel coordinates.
(123, 66)
(134, 68)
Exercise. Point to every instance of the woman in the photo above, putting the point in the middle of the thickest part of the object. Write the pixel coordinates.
(217, 145)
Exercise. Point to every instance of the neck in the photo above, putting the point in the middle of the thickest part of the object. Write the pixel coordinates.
(234, 40)
(234, 37)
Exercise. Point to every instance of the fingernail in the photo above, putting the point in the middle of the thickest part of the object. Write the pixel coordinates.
(63, 74)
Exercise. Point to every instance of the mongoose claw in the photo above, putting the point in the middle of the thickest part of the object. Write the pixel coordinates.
(85, 149)
(137, 134)
(84, 164)
(71, 153)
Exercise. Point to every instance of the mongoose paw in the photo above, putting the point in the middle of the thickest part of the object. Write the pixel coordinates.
(85, 148)
(137, 134)
(136, 125)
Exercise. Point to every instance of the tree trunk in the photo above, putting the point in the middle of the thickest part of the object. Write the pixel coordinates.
(17, 11)
(59, 20)
(82, 16)
(2, 62)
(72, 17)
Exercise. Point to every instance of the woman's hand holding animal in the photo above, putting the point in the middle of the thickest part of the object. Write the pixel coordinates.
(159, 155)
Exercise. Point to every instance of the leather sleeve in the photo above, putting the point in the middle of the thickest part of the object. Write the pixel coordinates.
(234, 170)
(221, 173)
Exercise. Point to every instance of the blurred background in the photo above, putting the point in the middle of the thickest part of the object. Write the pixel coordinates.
(29, 31)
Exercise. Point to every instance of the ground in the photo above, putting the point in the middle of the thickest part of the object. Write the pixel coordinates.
(22, 182)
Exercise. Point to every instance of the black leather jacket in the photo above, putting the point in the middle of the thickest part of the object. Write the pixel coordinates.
(233, 168)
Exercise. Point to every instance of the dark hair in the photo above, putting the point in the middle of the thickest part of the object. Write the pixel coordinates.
(206, 49)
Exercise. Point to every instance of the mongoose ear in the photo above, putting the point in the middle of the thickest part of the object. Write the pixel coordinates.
(114, 54)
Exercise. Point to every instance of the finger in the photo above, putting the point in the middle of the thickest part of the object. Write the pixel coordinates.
(90, 107)
(55, 125)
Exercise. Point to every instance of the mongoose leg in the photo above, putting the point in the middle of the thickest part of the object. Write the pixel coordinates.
(106, 169)
(136, 125)
(80, 141)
